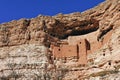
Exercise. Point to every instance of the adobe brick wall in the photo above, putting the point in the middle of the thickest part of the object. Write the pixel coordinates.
(69, 50)
(73, 40)
(82, 51)
(65, 51)
(80, 46)
(92, 41)
(79, 50)
(95, 46)
(57, 52)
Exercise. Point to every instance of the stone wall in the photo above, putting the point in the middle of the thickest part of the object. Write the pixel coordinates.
(82, 51)
(65, 51)
(75, 51)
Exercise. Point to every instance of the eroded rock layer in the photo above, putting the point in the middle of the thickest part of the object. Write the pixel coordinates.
(25, 43)
(43, 28)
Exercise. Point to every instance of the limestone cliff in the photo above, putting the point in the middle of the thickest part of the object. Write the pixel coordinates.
(25, 43)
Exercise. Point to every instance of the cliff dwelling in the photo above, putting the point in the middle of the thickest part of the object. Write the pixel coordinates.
(78, 50)
(77, 47)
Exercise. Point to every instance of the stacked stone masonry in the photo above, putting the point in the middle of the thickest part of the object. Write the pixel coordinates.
(77, 47)
(78, 51)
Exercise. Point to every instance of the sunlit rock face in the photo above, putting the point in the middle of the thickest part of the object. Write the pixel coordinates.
(43, 28)
(26, 51)
(22, 61)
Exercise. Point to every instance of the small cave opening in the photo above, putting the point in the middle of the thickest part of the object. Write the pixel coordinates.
(103, 54)
(58, 49)
(109, 63)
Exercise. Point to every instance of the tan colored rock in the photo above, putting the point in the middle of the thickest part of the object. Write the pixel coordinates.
(20, 44)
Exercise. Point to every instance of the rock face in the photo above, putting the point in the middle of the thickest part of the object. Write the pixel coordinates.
(22, 32)
(25, 53)
(43, 28)
(16, 60)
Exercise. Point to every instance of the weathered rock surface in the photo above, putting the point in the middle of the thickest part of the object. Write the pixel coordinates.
(24, 44)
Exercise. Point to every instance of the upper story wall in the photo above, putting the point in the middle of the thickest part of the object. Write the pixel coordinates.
(92, 42)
